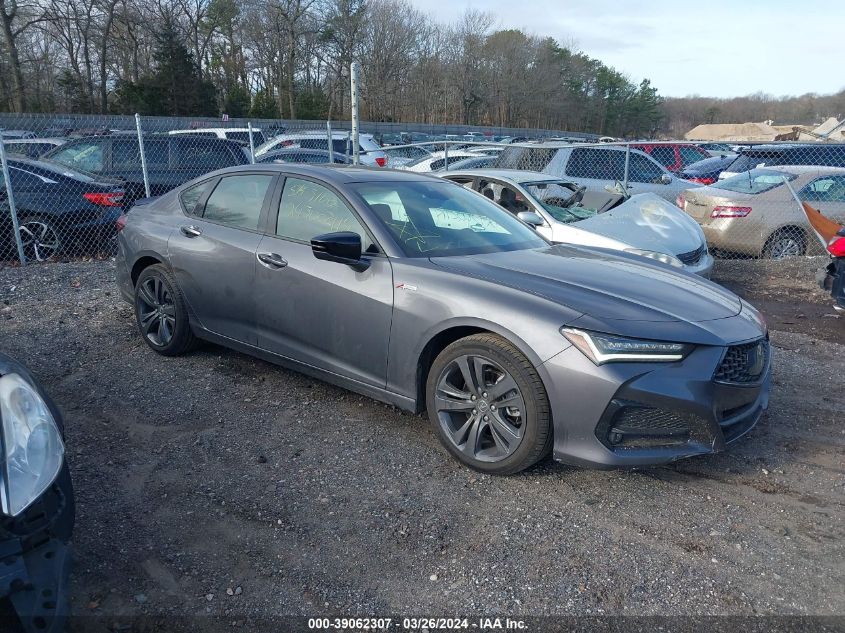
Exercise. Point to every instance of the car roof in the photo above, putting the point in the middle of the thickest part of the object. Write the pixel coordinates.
(514, 175)
(336, 174)
(804, 169)
(35, 140)
(787, 147)
(199, 130)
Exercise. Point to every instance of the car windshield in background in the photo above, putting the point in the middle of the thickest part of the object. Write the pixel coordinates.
(755, 181)
(552, 195)
(64, 170)
(436, 219)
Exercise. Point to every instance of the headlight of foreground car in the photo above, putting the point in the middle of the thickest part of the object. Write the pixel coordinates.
(664, 258)
(32, 445)
(606, 348)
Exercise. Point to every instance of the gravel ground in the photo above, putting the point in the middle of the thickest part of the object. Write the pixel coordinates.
(219, 484)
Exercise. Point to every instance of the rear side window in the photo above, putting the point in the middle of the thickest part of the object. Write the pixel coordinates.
(191, 196)
(204, 153)
(525, 158)
(825, 189)
(237, 200)
(748, 161)
(126, 153)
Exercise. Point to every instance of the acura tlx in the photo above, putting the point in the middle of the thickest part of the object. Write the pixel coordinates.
(421, 293)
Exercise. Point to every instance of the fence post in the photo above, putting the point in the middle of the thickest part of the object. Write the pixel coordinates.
(329, 143)
(10, 196)
(446, 153)
(353, 78)
(251, 143)
(143, 155)
(627, 164)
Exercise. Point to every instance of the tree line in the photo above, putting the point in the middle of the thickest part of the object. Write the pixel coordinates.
(291, 58)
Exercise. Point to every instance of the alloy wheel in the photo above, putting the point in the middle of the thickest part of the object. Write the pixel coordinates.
(156, 311)
(39, 240)
(786, 247)
(480, 408)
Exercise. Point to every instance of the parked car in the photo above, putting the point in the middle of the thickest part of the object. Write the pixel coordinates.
(38, 512)
(478, 162)
(171, 160)
(755, 214)
(240, 134)
(60, 209)
(421, 293)
(17, 134)
(298, 155)
(673, 156)
(707, 171)
(438, 160)
(644, 224)
(32, 147)
(370, 152)
(832, 278)
(717, 149)
(594, 167)
(821, 154)
(398, 157)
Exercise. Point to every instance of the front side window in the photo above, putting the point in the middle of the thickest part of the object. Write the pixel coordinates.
(641, 169)
(308, 209)
(432, 219)
(237, 200)
(691, 155)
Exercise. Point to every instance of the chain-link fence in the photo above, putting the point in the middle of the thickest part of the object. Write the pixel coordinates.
(67, 180)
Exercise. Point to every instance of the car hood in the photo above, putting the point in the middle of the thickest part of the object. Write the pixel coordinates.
(647, 221)
(607, 285)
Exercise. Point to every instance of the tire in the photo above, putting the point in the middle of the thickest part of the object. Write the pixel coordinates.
(785, 242)
(161, 312)
(470, 424)
(41, 238)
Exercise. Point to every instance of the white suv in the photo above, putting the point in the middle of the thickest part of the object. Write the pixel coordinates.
(370, 151)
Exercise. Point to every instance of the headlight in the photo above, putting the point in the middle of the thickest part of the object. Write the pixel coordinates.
(607, 348)
(32, 445)
(665, 258)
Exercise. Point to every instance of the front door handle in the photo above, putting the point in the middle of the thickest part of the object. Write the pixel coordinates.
(190, 231)
(272, 260)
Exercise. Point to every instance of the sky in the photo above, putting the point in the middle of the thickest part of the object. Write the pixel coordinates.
(714, 48)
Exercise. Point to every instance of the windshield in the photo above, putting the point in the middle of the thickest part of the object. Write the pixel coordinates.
(436, 219)
(552, 196)
(755, 181)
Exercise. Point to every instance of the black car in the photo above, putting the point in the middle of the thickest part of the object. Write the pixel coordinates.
(299, 155)
(171, 159)
(59, 209)
(822, 154)
(706, 171)
(832, 278)
(37, 506)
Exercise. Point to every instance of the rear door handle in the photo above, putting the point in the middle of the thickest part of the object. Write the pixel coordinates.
(190, 231)
(272, 260)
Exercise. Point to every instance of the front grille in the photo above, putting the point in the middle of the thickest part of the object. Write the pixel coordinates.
(639, 426)
(693, 257)
(743, 364)
(648, 419)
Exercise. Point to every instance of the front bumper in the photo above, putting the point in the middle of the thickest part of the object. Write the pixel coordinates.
(586, 401)
(36, 555)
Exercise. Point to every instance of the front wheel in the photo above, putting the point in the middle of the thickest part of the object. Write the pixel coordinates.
(161, 312)
(488, 405)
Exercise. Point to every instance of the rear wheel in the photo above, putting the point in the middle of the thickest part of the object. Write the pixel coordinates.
(488, 405)
(786, 242)
(161, 313)
(40, 238)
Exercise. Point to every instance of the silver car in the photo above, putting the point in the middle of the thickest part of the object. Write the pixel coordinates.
(424, 294)
(595, 167)
(565, 212)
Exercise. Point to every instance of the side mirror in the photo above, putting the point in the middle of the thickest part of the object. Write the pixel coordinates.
(665, 179)
(531, 218)
(343, 247)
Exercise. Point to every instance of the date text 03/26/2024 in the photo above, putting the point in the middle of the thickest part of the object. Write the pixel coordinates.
(416, 624)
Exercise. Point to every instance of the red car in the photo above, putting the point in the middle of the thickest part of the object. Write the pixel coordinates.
(673, 156)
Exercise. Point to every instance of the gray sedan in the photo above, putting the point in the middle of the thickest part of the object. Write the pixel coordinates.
(424, 294)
